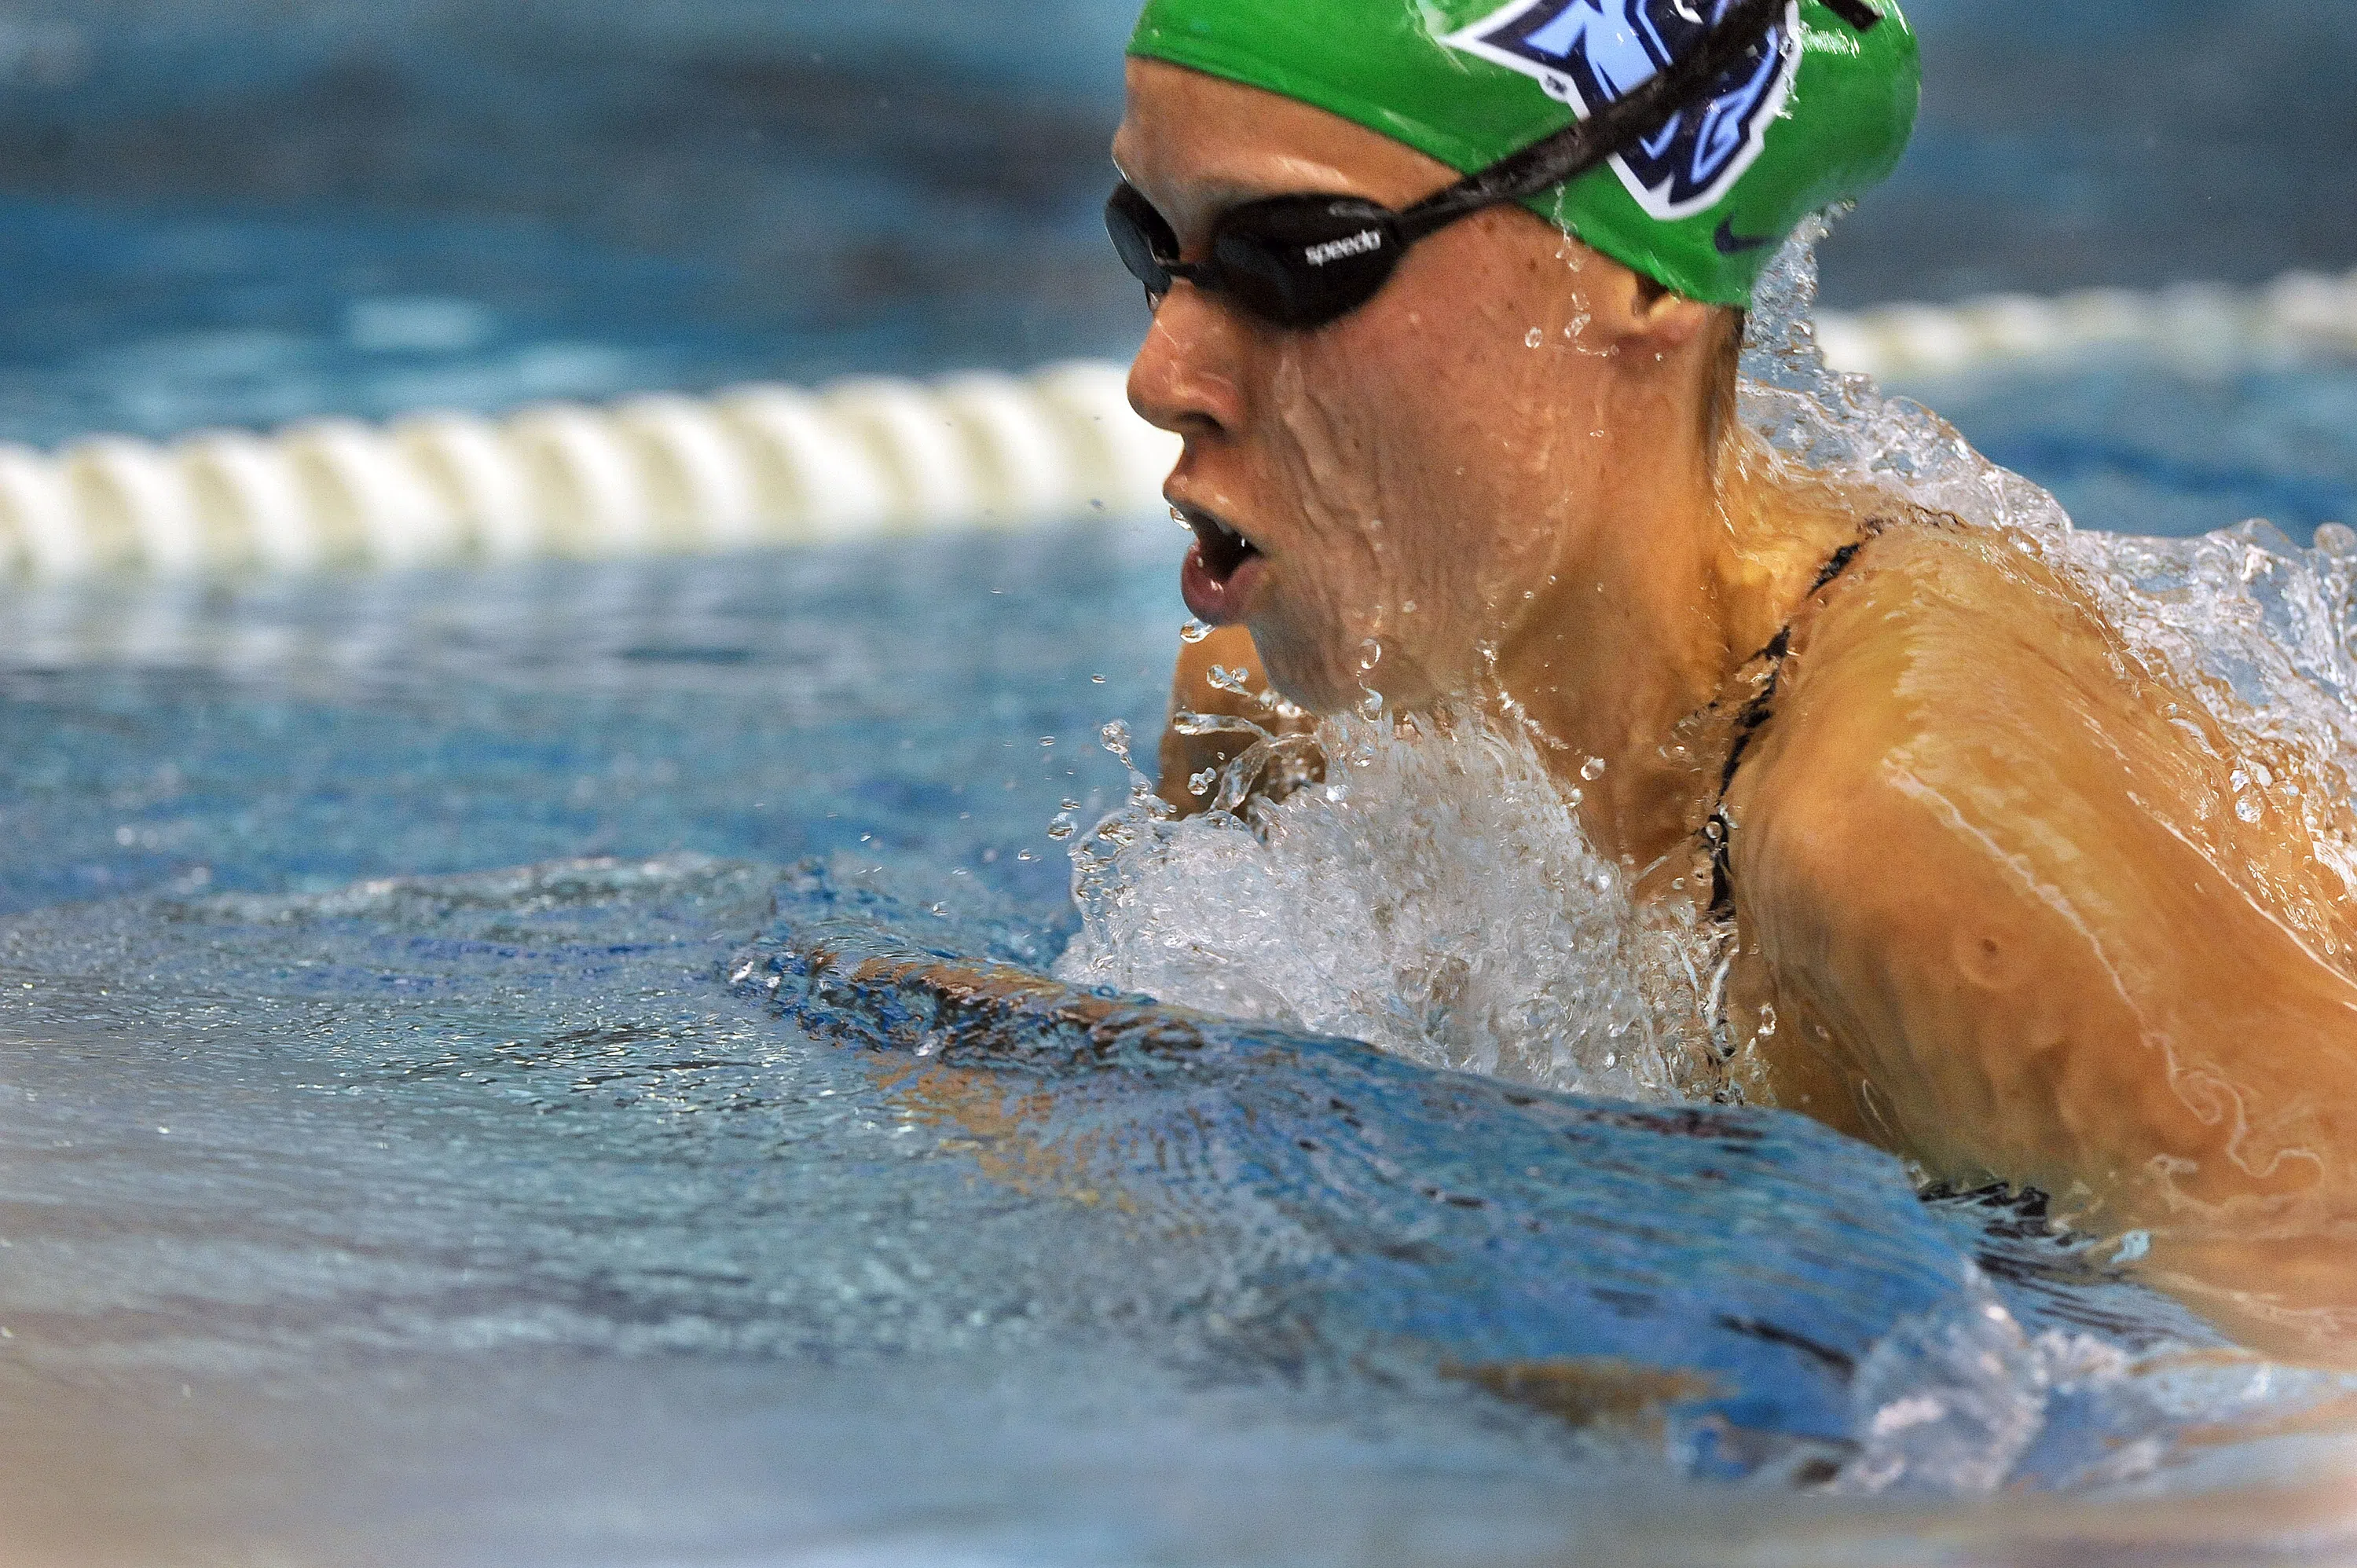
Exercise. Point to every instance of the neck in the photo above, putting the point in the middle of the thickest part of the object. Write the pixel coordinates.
(1688, 569)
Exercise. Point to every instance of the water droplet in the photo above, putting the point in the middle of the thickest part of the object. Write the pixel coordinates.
(1534, 338)
(1193, 631)
(1592, 769)
(1201, 783)
(1371, 706)
(1371, 653)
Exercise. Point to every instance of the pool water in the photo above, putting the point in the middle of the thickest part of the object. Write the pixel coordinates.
(561, 1063)
(447, 1118)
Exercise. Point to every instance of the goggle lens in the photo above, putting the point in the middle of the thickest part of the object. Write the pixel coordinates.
(1301, 261)
(1142, 240)
(1296, 261)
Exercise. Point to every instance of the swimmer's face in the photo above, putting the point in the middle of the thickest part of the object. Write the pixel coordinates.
(1415, 481)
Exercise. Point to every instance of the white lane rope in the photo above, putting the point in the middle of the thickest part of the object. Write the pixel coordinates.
(761, 464)
(2201, 327)
(775, 465)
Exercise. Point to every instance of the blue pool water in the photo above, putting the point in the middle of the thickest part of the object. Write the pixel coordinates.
(476, 1093)
(447, 1118)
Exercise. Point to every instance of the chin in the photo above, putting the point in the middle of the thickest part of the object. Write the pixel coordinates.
(1305, 675)
(1326, 682)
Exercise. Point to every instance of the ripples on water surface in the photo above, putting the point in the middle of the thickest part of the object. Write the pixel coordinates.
(484, 1085)
(388, 1182)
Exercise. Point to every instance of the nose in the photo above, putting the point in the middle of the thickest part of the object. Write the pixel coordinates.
(1186, 379)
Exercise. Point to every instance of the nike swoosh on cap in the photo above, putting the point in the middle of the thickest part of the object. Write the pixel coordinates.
(1731, 243)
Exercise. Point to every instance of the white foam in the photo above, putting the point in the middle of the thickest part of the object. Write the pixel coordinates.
(1433, 896)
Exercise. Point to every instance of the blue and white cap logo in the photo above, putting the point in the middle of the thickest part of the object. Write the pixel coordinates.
(1588, 53)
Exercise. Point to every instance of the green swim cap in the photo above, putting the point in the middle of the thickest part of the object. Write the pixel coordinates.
(1701, 207)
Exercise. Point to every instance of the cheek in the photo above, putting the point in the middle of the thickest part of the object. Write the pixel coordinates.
(1436, 469)
(1414, 463)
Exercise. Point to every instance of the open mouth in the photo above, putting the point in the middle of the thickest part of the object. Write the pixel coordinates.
(1222, 548)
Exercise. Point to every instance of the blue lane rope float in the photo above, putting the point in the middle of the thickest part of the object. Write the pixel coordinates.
(766, 466)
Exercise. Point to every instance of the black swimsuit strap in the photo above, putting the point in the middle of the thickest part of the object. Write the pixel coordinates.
(1717, 831)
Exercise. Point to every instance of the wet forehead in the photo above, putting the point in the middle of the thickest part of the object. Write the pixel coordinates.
(1196, 145)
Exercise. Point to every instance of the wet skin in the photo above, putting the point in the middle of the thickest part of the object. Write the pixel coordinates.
(1997, 909)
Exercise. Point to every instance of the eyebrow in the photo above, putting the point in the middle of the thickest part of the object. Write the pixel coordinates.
(1217, 194)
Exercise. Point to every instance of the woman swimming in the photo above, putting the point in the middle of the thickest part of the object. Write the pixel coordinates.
(2004, 901)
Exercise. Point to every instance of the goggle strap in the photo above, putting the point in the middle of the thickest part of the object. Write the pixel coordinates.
(1582, 147)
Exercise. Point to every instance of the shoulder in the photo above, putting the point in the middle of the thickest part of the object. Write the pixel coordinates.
(1944, 698)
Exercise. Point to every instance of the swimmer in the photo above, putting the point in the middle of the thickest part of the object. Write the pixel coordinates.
(2004, 901)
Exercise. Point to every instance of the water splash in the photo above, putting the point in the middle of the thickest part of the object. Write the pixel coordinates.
(2251, 624)
(1433, 896)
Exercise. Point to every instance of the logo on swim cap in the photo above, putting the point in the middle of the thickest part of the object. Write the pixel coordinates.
(1589, 53)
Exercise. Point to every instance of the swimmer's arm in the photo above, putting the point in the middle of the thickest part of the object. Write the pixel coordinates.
(1979, 897)
(1185, 756)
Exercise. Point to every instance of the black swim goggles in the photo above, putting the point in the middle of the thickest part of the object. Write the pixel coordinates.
(1302, 261)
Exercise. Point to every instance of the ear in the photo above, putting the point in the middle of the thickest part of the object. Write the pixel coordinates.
(1621, 307)
(1660, 320)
